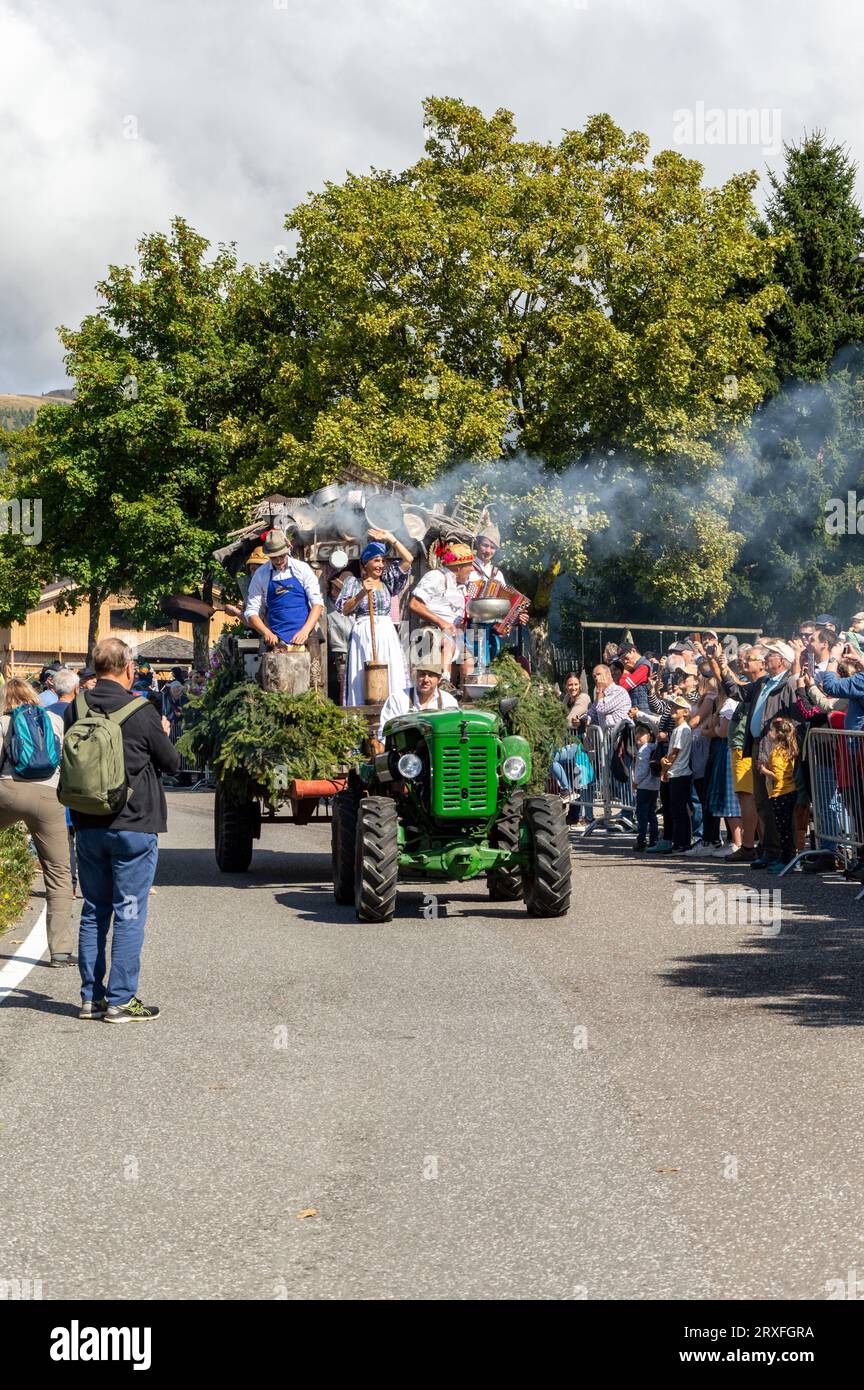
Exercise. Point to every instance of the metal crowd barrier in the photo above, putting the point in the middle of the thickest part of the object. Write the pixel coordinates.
(835, 759)
(198, 774)
(606, 802)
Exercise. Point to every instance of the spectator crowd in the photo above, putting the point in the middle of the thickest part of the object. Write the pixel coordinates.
(709, 744)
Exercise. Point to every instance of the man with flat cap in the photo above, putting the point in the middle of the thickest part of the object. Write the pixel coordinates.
(289, 591)
(425, 694)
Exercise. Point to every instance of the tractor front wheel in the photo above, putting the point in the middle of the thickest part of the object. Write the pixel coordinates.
(343, 843)
(546, 878)
(505, 884)
(376, 861)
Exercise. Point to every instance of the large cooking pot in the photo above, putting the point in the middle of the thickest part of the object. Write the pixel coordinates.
(384, 512)
(488, 610)
(303, 520)
(326, 496)
(351, 524)
(415, 527)
(186, 607)
(415, 524)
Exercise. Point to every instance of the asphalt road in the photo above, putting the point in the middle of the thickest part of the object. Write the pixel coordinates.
(474, 1104)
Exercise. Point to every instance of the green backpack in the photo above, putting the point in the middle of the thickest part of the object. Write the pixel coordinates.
(93, 764)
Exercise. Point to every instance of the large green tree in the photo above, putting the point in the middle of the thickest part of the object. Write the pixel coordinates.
(814, 214)
(803, 456)
(129, 474)
(571, 299)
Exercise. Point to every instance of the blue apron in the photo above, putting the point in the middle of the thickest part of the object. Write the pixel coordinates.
(287, 605)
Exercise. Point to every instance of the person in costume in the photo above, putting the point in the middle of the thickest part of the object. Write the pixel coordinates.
(440, 599)
(380, 580)
(289, 591)
(487, 543)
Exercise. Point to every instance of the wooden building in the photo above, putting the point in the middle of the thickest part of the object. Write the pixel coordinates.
(48, 636)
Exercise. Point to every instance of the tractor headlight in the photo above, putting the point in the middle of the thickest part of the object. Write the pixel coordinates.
(410, 765)
(514, 768)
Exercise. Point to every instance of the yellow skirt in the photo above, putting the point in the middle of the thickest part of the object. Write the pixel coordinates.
(742, 771)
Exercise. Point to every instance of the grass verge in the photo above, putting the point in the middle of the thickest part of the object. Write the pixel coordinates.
(17, 870)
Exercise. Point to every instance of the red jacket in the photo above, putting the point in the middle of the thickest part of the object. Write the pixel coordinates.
(631, 680)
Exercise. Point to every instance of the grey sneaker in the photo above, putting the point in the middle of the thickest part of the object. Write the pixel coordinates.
(61, 962)
(133, 1012)
(93, 1008)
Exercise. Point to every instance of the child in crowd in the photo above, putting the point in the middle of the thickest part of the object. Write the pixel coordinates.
(646, 786)
(778, 768)
(676, 770)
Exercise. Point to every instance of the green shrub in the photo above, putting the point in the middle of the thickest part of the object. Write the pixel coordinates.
(17, 867)
(539, 717)
(243, 734)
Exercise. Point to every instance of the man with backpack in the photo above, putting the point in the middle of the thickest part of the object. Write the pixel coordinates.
(115, 749)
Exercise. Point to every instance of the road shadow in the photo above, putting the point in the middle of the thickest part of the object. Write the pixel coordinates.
(412, 908)
(43, 1003)
(811, 972)
(197, 868)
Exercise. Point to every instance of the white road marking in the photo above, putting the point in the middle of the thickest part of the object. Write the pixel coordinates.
(29, 953)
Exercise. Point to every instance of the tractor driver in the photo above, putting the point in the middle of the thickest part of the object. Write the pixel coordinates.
(290, 592)
(425, 694)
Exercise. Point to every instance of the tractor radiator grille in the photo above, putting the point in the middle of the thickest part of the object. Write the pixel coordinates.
(468, 783)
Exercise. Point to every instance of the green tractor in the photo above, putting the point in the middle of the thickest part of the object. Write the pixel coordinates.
(445, 800)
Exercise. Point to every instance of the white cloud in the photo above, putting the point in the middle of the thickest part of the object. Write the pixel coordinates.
(242, 106)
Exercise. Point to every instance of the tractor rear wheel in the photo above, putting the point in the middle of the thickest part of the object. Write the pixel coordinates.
(234, 830)
(546, 878)
(376, 860)
(343, 842)
(505, 884)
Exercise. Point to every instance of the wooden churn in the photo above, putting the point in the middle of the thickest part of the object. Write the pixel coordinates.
(377, 672)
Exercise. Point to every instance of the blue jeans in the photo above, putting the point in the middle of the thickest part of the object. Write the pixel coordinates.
(696, 813)
(116, 870)
(562, 766)
(563, 770)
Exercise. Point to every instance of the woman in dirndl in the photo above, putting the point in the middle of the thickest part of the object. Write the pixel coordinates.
(722, 799)
(380, 581)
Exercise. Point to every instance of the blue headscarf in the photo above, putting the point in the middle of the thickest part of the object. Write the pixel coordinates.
(372, 551)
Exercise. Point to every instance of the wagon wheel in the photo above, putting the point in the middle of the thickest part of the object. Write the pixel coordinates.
(343, 841)
(234, 831)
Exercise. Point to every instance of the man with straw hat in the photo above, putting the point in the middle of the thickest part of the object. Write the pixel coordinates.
(440, 600)
(487, 543)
